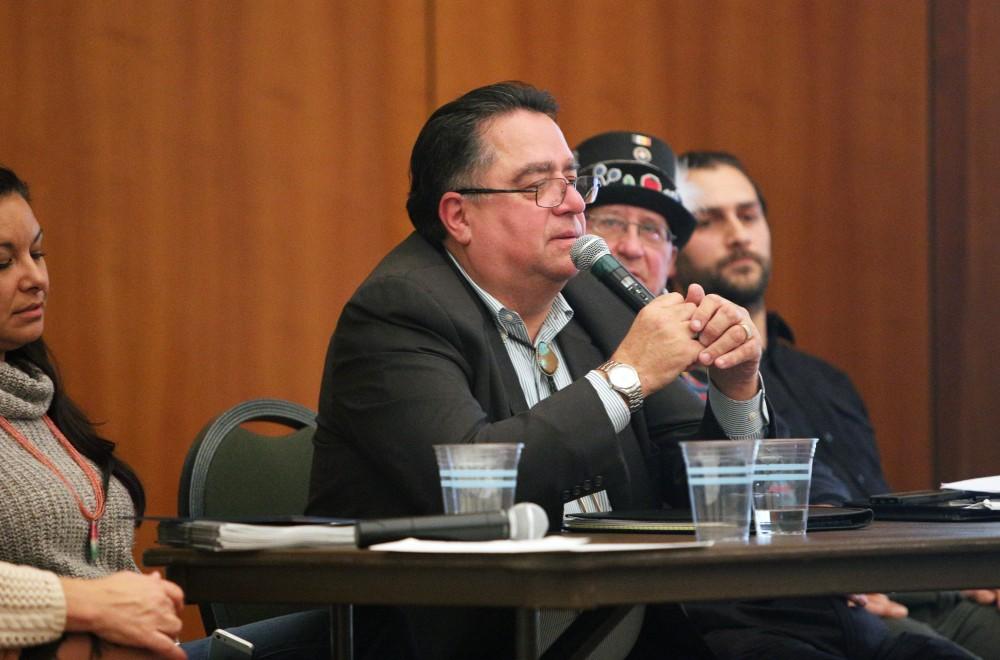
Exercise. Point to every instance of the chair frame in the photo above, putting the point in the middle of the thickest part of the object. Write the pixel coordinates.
(191, 495)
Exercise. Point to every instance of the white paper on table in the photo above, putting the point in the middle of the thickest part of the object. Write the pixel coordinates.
(619, 547)
(547, 544)
(980, 484)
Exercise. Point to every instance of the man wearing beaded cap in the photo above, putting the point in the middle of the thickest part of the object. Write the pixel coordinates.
(640, 214)
(638, 211)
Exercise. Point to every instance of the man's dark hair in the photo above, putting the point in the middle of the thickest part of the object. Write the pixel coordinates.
(449, 150)
(11, 184)
(707, 160)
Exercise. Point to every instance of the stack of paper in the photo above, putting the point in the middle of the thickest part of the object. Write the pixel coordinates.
(215, 535)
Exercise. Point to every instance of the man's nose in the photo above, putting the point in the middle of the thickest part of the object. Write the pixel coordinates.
(572, 202)
(629, 244)
(736, 231)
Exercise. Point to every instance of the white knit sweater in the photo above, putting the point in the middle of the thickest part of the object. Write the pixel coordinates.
(40, 523)
(32, 606)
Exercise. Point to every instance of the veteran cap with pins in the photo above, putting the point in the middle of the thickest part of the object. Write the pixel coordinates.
(639, 170)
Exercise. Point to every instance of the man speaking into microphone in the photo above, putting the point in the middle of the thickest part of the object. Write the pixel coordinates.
(477, 328)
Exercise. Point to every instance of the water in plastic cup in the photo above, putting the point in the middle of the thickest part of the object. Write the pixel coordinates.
(478, 477)
(719, 474)
(782, 473)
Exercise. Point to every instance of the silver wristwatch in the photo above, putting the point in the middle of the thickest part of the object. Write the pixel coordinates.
(624, 379)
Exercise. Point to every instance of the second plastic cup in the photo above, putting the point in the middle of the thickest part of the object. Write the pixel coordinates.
(782, 473)
(478, 477)
(719, 474)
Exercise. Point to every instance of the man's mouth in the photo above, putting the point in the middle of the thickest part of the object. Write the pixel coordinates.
(28, 308)
(741, 260)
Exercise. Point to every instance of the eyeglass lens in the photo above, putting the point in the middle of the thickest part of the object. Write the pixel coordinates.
(551, 192)
(615, 228)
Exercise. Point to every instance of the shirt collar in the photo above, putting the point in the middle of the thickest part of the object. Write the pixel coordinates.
(509, 321)
(778, 329)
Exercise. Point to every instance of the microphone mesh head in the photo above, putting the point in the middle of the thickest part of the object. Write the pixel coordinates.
(527, 521)
(586, 250)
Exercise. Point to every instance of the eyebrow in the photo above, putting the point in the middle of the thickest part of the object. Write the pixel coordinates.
(10, 246)
(544, 167)
(717, 210)
(641, 220)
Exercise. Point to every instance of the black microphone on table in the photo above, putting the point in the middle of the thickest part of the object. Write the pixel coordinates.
(591, 253)
(522, 521)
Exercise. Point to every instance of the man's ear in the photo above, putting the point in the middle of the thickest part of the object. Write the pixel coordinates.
(451, 211)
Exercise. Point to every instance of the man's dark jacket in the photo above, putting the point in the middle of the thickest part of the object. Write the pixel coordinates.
(416, 360)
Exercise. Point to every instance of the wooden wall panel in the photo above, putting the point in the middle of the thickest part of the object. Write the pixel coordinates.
(214, 180)
(826, 102)
(965, 223)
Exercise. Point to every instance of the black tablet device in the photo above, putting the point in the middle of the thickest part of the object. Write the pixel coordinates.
(930, 506)
(651, 521)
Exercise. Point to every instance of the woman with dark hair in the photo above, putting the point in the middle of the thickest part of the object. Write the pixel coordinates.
(51, 458)
(69, 504)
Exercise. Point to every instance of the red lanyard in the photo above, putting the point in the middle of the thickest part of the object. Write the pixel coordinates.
(91, 516)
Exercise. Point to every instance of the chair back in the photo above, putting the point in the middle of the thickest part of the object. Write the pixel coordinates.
(233, 472)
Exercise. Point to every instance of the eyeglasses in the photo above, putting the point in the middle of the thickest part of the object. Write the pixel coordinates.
(614, 229)
(549, 193)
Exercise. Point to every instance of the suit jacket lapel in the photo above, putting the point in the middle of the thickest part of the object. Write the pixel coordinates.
(578, 350)
(511, 398)
(505, 398)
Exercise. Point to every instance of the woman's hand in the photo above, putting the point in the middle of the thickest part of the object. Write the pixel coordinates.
(127, 608)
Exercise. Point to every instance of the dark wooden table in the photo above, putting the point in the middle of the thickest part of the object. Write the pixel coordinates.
(885, 556)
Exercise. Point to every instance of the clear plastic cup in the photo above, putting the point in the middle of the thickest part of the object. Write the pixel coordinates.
(478, 477)
(782, 474)
(719, 474)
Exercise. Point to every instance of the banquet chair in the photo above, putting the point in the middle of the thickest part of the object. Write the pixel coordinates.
(232, 472)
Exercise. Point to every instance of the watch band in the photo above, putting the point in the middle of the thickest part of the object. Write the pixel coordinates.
(631, 393)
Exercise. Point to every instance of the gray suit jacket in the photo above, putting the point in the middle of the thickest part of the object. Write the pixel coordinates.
(416, 361)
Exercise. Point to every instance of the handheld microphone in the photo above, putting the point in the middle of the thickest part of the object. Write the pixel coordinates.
(591, 253)
(522, 521)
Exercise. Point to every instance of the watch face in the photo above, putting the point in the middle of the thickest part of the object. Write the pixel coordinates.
(622, 376)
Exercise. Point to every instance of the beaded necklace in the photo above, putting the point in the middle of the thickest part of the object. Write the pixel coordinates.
(92, 517)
